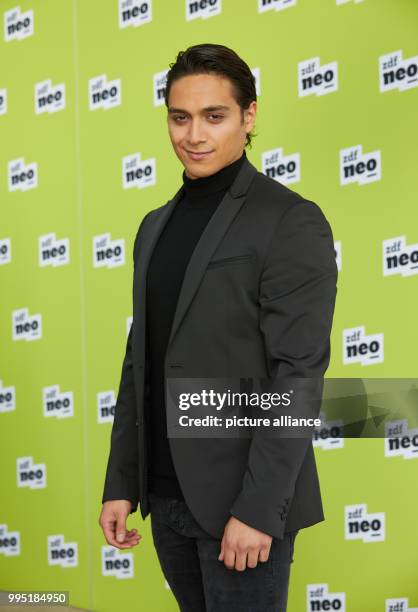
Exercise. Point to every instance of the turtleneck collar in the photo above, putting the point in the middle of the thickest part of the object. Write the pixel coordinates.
(207, 185)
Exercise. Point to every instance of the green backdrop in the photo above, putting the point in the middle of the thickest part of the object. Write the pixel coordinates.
(84, 155)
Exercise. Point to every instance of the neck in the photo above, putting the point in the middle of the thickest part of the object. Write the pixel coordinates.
(222, 179)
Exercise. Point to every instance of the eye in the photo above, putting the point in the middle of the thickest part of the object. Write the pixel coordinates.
(179, 117)
(216, 116)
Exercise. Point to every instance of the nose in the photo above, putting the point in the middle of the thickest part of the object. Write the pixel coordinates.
(195, 134)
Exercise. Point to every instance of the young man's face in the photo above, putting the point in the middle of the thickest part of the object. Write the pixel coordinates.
(204, 118)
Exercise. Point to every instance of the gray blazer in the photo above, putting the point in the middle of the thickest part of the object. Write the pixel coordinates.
(257, 300)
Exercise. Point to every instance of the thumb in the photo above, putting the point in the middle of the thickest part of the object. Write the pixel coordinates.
(120, 529)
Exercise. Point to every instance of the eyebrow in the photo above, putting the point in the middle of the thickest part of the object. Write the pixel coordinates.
(216, 107)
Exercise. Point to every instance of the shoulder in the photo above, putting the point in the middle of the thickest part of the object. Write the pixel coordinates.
(152, 214)
(146, 219)
(155, 212)
(281, 202)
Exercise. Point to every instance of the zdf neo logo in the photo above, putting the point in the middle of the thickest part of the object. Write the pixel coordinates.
(9, 542)
(397, 73)
(106, 406)
(329, 435)
(282, 168)
(5, 251)
(104, 94)
(138, 173)
(53, 252)
(358, 167)
(361, 525)
(29, 474)
(25, 326)
(274, 5)
(49, 98)
(114, 563)
(400, 604)
(17, 25)
(21, 176)
(314, 79)
(56, 403)
(7, 398)
(202, 9)
(108, 253)
(399, 258)
(361, 348)
(159, 87)
(319, 598)
(62, 553)
(134, 13)
(3, 101)
(400, 441)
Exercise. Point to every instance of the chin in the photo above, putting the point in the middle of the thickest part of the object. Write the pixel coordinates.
(198, 172)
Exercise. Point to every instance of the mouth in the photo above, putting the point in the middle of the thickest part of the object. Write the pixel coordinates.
(198, 155)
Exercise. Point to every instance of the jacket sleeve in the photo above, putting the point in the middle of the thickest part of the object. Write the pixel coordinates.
(122, 473)
(296, 300)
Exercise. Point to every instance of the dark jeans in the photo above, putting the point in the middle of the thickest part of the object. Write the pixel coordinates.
(188, 556)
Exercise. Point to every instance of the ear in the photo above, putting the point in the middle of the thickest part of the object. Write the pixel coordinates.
(249, 116)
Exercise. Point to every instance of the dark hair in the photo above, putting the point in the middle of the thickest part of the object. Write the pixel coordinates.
(211, 58)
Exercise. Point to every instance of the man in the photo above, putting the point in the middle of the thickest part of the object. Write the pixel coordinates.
(233, 277)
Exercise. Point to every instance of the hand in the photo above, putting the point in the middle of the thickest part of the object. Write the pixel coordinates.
(243, 546)
(113, 522)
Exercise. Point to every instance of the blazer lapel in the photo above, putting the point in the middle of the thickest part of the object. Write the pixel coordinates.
(146, 247)
(209, 240)
(205, 247)
(150, 238)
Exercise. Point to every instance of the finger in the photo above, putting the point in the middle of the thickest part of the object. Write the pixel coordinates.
(252, 558)
(229, 558)
(221, 555)
(110, 536)
(264, 553)
(121, 529)
(129, 544)
(132, 532)
(126, 544)
(133, 538)
(240, 561)
(109, 533)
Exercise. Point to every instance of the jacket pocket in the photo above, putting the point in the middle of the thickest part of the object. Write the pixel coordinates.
(224, 261)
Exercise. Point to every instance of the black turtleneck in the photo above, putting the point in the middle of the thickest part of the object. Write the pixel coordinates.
(165, 274)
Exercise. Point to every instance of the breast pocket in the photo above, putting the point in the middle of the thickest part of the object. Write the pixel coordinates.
(234, 259)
